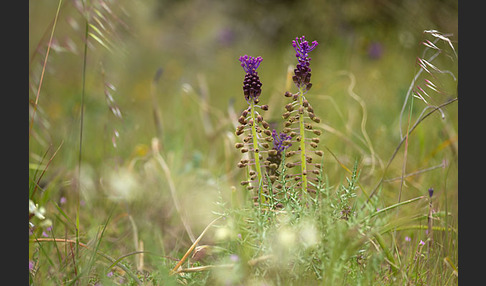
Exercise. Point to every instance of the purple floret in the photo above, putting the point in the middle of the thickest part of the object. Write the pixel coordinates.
(303, 48)
(278, 140)
(250, 64)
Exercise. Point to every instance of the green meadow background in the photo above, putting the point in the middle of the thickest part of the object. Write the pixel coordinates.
(169, 70)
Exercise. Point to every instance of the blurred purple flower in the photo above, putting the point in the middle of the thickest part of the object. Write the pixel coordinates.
(31, 265)
(62, 200)
(234, 258)
(375, 50)
(408, 239)
(44, 233)
(252, 87)
(302, 71)
(431, 192)
(226, 36)
(421, 242)
(109, 274)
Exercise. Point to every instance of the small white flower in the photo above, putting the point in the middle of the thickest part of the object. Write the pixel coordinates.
(40, 213)
(32, 207)
(36, 210)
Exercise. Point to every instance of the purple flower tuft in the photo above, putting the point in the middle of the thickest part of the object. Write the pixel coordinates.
(303, 48)
(278, 140)
(302, 71)
(431, 192)
(250, 64)
(252, 87)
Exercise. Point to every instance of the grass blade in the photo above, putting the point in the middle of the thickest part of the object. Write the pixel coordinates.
(107, 257)
(395, 206)
(389, 257)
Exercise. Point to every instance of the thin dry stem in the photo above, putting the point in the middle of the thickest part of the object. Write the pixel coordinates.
(43, 171)
(174, 270)
(44, 67)
(172, 188)
(251, 262)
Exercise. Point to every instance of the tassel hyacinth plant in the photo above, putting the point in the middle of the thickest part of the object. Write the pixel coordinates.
(298, 141)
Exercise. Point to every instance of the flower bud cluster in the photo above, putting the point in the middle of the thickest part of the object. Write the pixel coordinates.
(304, 156)
(256, 142)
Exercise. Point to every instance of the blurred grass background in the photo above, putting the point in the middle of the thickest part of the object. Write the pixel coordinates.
(196, 45)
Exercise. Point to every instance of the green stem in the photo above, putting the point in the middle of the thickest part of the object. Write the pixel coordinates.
(256, 152)
(302, 141)
(83, 92)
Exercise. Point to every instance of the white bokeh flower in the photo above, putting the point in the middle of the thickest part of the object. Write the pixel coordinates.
(36, 210)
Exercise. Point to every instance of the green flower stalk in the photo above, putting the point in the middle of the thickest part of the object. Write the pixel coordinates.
(253, 125)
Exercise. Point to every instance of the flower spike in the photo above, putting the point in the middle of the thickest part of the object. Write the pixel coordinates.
(302, 71)
(298, 115)
(254, 128)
